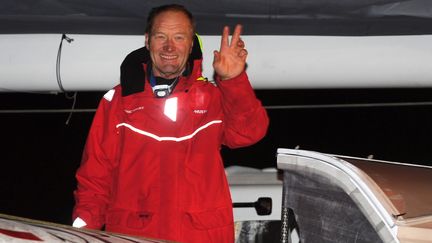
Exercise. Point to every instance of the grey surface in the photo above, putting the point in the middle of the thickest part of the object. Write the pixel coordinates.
(263, 17)
(324, 212)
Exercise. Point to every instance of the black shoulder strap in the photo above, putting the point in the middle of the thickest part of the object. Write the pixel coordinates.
(132, 74)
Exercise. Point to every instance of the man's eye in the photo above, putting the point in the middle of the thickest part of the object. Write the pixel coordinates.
(179, 38)
(159, 37)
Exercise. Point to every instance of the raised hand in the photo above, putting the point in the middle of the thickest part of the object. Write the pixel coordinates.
(230, 60)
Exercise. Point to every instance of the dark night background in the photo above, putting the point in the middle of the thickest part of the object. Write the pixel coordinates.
(40, 153)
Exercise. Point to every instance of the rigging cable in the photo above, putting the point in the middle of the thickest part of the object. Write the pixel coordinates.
(268, 107)
(59, 81)
(352, 105)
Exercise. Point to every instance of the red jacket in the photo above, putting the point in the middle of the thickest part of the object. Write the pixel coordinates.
(143, 173)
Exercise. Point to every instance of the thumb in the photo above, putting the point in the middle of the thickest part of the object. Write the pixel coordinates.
(216, 56)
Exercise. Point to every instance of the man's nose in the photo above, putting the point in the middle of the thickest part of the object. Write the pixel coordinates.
(169, 45)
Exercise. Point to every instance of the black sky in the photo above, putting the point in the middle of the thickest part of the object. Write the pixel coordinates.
(41, 153)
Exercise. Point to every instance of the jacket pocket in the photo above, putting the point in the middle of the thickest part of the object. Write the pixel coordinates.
(139, 220)
(211, 219)
(133, 220)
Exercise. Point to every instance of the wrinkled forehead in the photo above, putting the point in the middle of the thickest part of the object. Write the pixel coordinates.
(172, 21)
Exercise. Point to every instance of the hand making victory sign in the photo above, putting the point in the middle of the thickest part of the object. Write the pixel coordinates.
(230, 60)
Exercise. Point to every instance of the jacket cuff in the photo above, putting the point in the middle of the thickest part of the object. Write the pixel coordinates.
(90, 221)
(79, 223)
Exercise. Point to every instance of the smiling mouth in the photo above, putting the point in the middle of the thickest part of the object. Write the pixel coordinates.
(168, 57)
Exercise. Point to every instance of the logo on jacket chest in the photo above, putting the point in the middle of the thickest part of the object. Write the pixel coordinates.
(200, 111)
(130, 111)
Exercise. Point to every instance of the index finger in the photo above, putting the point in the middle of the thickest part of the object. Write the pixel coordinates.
(224, 38)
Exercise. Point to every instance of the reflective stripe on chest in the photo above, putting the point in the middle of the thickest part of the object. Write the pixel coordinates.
(175, 139)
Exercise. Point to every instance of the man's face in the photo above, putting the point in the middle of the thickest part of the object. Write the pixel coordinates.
(170, 43)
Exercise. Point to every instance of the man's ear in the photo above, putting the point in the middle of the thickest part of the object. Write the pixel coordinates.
(147, 41)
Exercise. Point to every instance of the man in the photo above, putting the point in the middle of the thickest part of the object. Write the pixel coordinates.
(151, 166)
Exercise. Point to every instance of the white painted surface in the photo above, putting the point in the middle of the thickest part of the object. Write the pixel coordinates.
(247, 185)
(92, 62)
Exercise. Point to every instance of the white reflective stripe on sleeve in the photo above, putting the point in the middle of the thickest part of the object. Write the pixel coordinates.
(176, 139)
(109, 95)
(79, 223)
